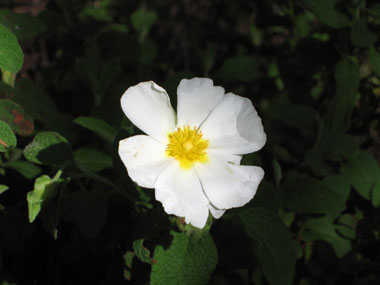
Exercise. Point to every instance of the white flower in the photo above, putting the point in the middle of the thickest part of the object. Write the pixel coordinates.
(193, 159)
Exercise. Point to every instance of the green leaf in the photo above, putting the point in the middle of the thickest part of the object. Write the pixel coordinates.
(100, 127)
(7, 137)
(306, 194)
(26, 169)
(142, 253)
(326, 13)
(347, 83)
(3, 188)
(34, 100)
(324, 229)
(92, 159)
(24, 26)
(11, 55)
(45, 189)
(239, 68)
(13, 114)
(87, 210)
(361, 35)
(48, 148)
(273, 244)
(143, 20)
(374, 59)
(187, 260)
(362, 172)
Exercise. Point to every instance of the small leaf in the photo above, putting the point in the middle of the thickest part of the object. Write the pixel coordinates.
(34, 100)
(186, 261)
(361, 35)
(362, 172)
(7, 137)
(26, 169)
(45, 189)
(142, 253)
(11, 55)
(324, 229)
(305, 194)
(24, 26)
(240, 68)
(143, 20)
(98, 126)
(13, 114)
(92, 159)
(48, 148)
(347, 83)
(326, 13)
(274, 245)
(3, 188)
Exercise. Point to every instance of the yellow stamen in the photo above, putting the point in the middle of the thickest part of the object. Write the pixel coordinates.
(187, 146)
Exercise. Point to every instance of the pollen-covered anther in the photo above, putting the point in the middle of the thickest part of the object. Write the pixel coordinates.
(187, 145)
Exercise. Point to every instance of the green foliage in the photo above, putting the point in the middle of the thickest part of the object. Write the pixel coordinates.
(48, 148)
(7, 137)
(11, 56)
(312, 71)
(24, 26)
(92, 159)
(45, 189)
(272, 243)
(362, 172)
(188, 260)
(98, 126)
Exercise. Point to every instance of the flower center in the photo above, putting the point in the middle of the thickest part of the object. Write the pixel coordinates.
(187, 146)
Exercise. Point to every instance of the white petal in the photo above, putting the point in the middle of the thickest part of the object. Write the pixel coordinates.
(144, 158)
(228, 185)
(180, 192)
(197, 98)
(147, 106)
(216, 213)
(234, 127)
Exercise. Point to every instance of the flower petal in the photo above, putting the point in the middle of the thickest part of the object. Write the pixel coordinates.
(197, 98)
(144, 158)
(180, 192)
(228, 185)
(216, 213)
(234, 127)
(148, 107)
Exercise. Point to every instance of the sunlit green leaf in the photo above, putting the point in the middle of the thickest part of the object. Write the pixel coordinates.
(48, 148)
(273, 244)
(3, 188)
(186, 261)
(7, 137)
(45, 189)
(142, 253)
(14, 115)
(11, 55)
